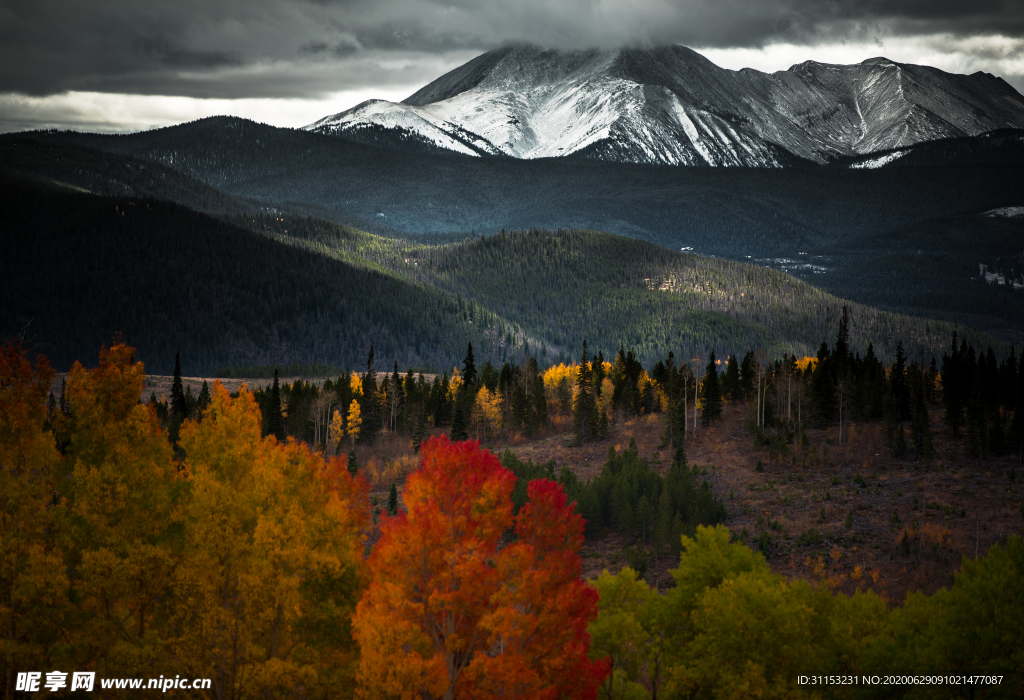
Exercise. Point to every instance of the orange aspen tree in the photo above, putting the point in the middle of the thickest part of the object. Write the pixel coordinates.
(449, 613)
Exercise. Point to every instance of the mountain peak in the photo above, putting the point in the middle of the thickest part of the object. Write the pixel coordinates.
(671, 105)
(465, 77)
(878, 60)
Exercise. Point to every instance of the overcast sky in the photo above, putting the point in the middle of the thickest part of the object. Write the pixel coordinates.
(125, 65)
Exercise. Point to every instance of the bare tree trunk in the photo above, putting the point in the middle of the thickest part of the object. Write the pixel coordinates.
(757, 406)
(696, 393)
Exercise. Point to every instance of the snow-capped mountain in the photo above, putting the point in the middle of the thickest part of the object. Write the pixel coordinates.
(671, 105)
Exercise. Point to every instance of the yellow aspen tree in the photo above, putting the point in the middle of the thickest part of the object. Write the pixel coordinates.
(335, 432)
(33, 579)
(454, 385)
(354, 421)
(645, 387)
(273, 564)
(604, 404)
(119, 522)
(487, 412)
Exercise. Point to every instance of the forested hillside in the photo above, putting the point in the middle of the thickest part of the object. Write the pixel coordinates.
(567, 286)
(77, 268)
(842, 220)
(933, 269)
(301, 289)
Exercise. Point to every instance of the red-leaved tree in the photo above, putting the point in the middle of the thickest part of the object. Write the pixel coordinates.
(455, 611)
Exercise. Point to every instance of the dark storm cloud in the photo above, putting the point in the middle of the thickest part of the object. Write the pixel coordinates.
(737, 23)
(288, 48)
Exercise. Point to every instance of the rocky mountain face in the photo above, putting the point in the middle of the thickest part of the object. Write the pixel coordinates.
(671, 105)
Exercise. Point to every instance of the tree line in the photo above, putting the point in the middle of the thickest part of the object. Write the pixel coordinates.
(978, 395)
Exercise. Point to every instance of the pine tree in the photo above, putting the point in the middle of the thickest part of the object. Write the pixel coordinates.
(712, 409)
(931, 380)
(675, 421)
(353, 462)
(823, 389)
(874, 385)
(179, 410)
(898, 385)
(841, 350)
(469, 378)
(421, 431)
(519, 406)
(538, 417)
(584, 409)
(731, 382)
(63, 403)
(663, 530)
(459, 424)
(370, 406)
(679, 458)
(190, 402)
(393, 500)
(602, 424)
(597, 370)
(748, 376)
(920, 429)
(204, 398)
(275, 420)
(441, 402)
(396, 400)
(464, 398)
(952, 393)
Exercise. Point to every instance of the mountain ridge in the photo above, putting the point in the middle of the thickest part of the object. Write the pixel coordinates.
(672, 105)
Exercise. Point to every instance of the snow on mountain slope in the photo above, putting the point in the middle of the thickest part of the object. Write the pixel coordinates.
(671, 105)
(418, 120)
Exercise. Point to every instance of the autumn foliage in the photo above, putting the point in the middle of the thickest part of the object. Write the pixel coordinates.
(32, 575)
(273, 556)
(457, 608)
(242, 563)
(243, 559)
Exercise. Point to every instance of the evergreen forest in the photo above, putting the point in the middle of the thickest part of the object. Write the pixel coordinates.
(266, 289)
